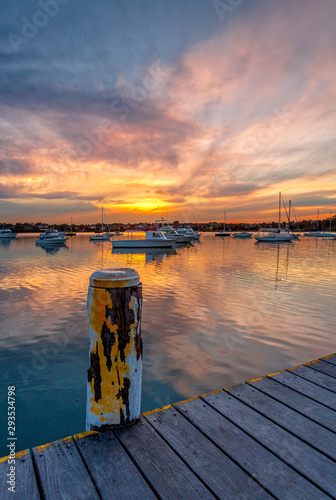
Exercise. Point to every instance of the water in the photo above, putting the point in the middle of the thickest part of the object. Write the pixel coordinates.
(216, 314)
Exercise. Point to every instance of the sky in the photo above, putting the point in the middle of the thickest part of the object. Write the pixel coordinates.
(182, 109)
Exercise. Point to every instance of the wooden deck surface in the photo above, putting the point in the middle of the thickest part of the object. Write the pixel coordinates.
(272, 437)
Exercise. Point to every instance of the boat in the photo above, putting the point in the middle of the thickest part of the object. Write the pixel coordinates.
(51, 237)
(70, 232)
(274, 235)
(52, 230)
(224, 233)
(170, 233)
(290, 206)
(190, 232)
(154, 239)
(102, 236)
(243, 234)
(7, 233)
(327, 235)
(316, 233)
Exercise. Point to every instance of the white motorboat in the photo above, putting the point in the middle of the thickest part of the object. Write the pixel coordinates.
(102, 236)
(275, 235)
(7, 233)
(48, 231)
(190, 232)
(153, 239)
(170, 233)
(51, 237)
(243, 234)
(224, 233)
(185, 236)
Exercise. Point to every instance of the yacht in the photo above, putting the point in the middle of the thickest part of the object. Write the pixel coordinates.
(275, 235)
(51, 237)
(7, 233)
(101, 236)
(224, 233)
(154, 239)
(315, 233)
(170, 233)
(71, 232)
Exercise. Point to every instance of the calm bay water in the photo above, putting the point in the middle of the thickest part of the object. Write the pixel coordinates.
(215, 314)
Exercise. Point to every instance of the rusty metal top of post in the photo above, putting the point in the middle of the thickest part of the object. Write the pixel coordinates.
(114, 278)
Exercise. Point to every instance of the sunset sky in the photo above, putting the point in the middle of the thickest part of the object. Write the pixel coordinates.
(179, 108)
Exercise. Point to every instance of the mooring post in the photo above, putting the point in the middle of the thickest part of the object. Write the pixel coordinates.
(115, 373)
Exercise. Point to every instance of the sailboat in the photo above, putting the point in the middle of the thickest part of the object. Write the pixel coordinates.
(224, 233)
(102, 236)
(290, 206)
(71, 232)
(315, 233)
(275, 235)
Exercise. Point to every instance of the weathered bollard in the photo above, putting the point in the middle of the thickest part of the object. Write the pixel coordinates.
(114, 376)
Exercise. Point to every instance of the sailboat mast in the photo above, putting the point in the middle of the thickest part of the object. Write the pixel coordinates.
(330, 223)
(317, 219)
(279, 209)
(102, 228)
(224, 221)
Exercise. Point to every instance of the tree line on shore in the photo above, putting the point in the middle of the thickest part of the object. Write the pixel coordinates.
(303, 225)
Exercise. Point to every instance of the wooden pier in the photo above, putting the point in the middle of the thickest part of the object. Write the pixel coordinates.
(271, 437)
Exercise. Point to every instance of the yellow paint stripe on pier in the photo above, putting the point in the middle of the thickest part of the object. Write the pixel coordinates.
(185, 401)
(311, 362)
(82, 435)
(157, 410)
(293, 368)
(328, 357)
(19, 454)
(254, 380)
(275, 373)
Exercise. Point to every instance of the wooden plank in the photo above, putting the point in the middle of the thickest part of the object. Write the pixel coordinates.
(111, 469)
(223, 477)
(309, 389)
(303, 428)
(61, 472)
(164, 470)
(316, 377)
(324, 367)
(272, 473)
(302, 404)
(310, 463)
(25, 480)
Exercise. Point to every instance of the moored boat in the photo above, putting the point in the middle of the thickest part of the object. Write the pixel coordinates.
(273, 235)
(102, 236)
(224, 233)
(153, 239)
(7, 233)
(51, 237)
(243, 234)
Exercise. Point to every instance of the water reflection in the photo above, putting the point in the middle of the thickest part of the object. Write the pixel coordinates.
(51, 249)
(214, 314)
(150, 254)
(6, 242)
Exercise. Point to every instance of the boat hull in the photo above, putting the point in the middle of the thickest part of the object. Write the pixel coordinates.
(54, 241)
(100, 238)
(274, 240)
(243, 236)
(142, 244)
(8, 235)
(223, 235)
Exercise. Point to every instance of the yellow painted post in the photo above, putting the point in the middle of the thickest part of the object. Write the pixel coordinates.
(115, 373)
